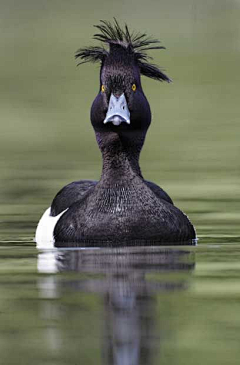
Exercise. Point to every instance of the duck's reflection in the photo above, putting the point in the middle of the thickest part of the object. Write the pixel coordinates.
(130, 280)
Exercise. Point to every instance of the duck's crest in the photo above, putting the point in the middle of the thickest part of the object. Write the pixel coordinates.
(135, 43)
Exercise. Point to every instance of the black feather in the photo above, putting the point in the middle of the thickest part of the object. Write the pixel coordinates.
(91, 54)
(136, 43)
(152, 71)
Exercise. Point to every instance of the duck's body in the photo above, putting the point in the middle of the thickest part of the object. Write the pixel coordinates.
(122, 213)
(122, 206)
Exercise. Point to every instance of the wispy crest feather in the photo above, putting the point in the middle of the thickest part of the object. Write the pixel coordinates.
(137, 43)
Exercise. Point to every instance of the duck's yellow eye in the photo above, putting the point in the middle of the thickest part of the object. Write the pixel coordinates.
(134, 87)
(102, 88)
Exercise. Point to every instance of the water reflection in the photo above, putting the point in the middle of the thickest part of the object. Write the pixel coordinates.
(128, 280)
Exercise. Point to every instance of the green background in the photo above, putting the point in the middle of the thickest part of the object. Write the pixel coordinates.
(46, 138)
(191, 150)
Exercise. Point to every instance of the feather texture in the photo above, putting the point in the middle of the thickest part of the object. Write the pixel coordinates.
(136, 43)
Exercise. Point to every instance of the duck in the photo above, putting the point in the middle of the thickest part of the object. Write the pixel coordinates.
(122, 207)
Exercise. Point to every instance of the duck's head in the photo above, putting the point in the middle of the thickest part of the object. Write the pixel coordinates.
(120, 104)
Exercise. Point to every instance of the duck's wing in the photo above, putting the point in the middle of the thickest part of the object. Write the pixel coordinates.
(67, 196)
(159, 192)
(70, 194)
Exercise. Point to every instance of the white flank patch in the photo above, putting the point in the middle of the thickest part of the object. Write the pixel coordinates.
(44, 232)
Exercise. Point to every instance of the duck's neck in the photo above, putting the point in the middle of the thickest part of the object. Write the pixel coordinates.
(120, 155)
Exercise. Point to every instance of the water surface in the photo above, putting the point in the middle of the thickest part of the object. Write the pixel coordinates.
(136, 305)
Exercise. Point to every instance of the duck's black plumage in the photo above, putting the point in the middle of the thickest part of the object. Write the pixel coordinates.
(122, 206)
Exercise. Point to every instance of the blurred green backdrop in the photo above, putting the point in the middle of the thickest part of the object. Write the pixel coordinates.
(192, 151)
(46, 140)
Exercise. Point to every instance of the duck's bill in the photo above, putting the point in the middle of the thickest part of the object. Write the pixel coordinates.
(118, 111)
(116, 119)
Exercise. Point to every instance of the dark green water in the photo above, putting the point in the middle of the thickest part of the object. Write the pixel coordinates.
(129, 306)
